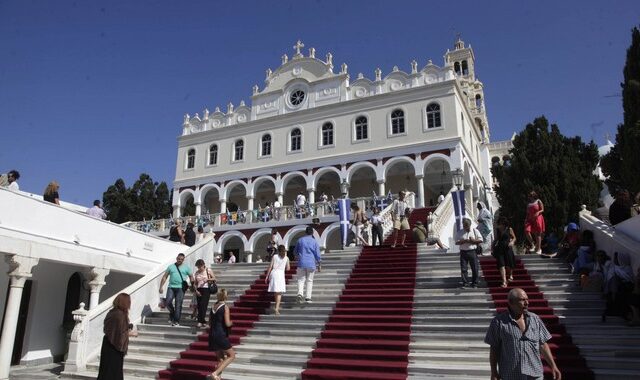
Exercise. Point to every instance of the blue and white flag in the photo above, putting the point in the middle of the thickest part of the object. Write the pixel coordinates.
(458, 207)
(344, 207)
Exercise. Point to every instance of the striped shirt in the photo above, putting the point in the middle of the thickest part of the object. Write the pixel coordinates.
(518, 352)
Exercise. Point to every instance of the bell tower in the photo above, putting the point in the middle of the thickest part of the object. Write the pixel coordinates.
(462, 60)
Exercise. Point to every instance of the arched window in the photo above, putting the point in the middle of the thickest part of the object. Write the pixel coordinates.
(433, 116)
(191, 158)
(362, 132)
(327, 134)
(296, 140)
(465, 68)
(456, 68)
(478, 101)
(213, 154)
(265, 149)
(397, 122)
(238, 151)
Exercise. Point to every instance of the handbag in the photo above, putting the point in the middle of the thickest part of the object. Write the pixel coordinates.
(213, 287)
(185, 285)
(478, 245)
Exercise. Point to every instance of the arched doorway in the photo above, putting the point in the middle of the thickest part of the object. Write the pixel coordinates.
(437, 180)
(400, 175)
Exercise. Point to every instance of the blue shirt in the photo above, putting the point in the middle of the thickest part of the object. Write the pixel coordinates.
(308, 252)
(174, 276)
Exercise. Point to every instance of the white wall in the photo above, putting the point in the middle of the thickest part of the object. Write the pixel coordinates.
(115, 282)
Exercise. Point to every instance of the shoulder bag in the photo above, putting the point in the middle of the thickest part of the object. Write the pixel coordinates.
(213, 287)
(185, 285)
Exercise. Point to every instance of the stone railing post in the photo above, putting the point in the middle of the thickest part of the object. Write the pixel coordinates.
(76, 357)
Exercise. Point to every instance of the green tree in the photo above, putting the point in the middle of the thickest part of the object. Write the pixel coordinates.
(622, 163)
(560, 169)
(145, 200)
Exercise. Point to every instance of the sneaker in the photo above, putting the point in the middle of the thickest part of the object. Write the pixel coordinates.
(474, 286)
(308, 300)
(463, 285)
(175, 324)
(299, 299)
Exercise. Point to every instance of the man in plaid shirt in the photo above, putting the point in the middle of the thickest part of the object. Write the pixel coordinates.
(516, 337)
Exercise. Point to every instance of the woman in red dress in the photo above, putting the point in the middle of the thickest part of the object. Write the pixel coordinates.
(534, 223)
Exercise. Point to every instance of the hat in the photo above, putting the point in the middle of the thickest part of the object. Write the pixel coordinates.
(418, 223)
(572, 227)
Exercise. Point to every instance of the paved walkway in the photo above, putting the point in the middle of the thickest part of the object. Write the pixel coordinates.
(42, 372)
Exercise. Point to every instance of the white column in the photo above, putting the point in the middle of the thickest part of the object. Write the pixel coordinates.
(19, 271)
(420, 191)
(249, 203)
(223, 205)
(381, 189)
(176, 211)
(280, 198)
(249, 214)
(312, 196)
(96, 277)
(248, 255)
(198, 208)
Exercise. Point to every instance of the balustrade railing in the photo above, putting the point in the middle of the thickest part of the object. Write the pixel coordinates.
(257, 216)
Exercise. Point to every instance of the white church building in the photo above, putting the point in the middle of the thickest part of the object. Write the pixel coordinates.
(311, 128)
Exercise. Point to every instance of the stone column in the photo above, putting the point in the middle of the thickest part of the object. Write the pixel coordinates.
(248, 255)
(96, 277)
(420, 202)
(223, 206)
(19, 272)
(198, 208)
(249, 214)
(176, 211)
(312, 196)
(280, 198)
(249, 203)
(381, 188)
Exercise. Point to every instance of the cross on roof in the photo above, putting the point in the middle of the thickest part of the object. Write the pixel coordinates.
(299, 45)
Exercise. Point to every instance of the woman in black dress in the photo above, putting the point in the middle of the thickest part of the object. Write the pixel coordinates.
(502, 250)
(51, 193)
(117, 331)
(219, 325)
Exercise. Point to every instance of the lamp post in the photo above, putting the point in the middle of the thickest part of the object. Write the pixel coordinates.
(458, 177)
(344, 188)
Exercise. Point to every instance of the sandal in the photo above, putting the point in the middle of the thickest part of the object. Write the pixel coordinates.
(504, 285)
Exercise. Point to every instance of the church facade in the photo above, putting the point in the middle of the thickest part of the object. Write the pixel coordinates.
(312, 127)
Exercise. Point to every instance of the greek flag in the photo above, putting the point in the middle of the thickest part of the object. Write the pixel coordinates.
(265, 216)
(344, 207)
(458, 206)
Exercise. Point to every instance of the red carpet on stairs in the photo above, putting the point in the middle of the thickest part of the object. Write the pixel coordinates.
(566, 354)
(196, 362)
(367, 335)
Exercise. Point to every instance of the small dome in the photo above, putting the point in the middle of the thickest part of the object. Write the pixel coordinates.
(604, 149)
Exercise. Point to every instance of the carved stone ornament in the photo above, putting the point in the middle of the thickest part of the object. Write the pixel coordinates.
(378, 73)
(20, 266)
(297, 71)
(414, 67)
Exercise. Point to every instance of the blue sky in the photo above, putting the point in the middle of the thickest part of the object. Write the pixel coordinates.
(92, 91)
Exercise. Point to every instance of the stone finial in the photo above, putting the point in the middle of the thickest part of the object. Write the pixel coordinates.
(343, 68)
(395, 69)
(242, 104)
(312, 52)
(299, 45)
(414, 67)
(360, 75)
(255, 89)
(217, 109)
(230, 107)
(329, 59)
(378, 74)
(186, 119)
(269, 72)
(285, 59)
(206, 114)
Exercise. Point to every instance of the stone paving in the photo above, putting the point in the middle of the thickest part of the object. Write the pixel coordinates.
(41, 372)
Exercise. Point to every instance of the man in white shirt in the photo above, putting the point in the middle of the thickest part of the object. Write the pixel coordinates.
(400, 219)
(232, 258)
(440, 198)
(12, 178)
(301, 199)
(96, 211)
(468, 240)
(276, 209)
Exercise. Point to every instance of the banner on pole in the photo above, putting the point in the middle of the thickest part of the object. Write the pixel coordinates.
(458, 207)
(344, 207)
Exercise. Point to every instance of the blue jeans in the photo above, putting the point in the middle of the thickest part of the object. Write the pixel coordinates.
(174, 313)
